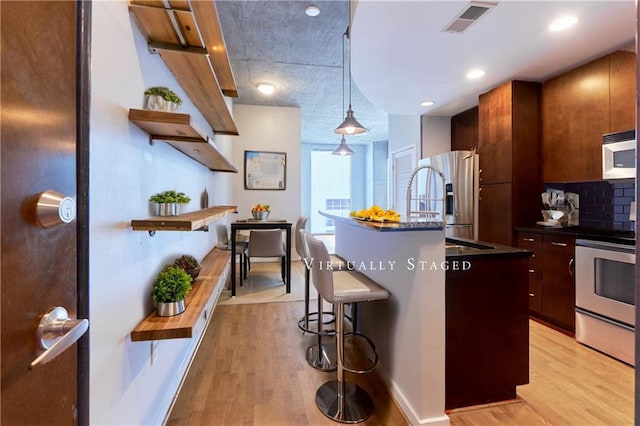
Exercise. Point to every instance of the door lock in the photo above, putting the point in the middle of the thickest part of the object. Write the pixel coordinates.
(54, 209)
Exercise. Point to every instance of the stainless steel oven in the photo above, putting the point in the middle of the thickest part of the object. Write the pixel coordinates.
(605, 295)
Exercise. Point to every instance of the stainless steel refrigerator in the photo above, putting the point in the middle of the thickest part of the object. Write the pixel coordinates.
(459, 202)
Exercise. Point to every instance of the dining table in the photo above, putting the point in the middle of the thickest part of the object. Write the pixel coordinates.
(248, 224)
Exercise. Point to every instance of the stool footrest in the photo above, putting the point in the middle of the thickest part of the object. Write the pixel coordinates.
(374, 362)
(357, 405)
(313, 317)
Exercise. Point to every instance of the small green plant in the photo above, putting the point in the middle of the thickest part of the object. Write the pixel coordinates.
(166, 93)
(172, 285)
(170, 197)
(189, 264)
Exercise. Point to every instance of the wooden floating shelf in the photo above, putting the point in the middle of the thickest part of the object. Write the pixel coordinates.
(153, 327)
(180, 132)
(183, 222)
(189, 39)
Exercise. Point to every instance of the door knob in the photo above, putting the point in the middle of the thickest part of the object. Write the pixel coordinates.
(56, 332)
(53, 209)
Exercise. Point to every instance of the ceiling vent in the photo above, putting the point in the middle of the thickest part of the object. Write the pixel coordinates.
(470, 14)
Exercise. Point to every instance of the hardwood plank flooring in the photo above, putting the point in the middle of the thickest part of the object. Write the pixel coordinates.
(251, 370)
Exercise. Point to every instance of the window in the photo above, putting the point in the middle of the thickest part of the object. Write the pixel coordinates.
(330, 188)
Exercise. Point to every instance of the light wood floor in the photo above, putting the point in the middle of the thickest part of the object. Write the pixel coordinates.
(251, 370)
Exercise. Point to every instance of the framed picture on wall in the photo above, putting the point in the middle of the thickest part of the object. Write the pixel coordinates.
(265, 170)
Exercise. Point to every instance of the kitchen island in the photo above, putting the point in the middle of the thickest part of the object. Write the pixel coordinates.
(408, 259)
(487, 322)
(455, 330)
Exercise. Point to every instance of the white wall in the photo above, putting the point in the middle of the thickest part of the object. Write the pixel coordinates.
(124, 171)
(275, 129)
(404, 130)
(436, 135)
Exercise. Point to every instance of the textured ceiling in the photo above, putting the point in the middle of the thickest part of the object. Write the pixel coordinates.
(275, 42)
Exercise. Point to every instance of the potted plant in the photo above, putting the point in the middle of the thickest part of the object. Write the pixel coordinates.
(161, 99)
(189, 264)
(168, 201)
(169, 290)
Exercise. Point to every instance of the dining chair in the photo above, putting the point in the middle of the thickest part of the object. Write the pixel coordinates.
(267, 243)
(242, 248)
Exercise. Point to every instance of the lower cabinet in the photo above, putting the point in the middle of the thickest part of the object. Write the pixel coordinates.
(487, 330)
(552, 294)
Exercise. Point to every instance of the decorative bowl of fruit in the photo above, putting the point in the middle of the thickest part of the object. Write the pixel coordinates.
(260, 211)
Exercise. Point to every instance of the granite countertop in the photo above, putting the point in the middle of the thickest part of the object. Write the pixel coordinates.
(463, 247)
(595, 234)
(416, 225)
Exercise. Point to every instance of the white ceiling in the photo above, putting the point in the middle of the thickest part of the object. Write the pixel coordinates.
(400, 56)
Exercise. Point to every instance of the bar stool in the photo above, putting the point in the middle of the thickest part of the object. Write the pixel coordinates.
(337, 399)
(319, 355)
(303, 322)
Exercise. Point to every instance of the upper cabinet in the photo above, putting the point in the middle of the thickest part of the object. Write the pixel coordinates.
(188, 37)
(580, 106)
(464, 130)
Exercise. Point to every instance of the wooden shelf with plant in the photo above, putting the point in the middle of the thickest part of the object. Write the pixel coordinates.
(214, 272)
(183, 222)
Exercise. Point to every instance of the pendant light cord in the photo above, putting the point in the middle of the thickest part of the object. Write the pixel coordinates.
(343, 36)
(348, 32)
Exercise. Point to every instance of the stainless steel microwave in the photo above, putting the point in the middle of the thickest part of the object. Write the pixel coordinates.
(619, 155)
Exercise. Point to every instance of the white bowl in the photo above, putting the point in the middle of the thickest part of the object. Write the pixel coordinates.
(552, 215)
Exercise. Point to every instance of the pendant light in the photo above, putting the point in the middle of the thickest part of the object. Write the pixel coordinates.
(343, 149)
(350, 125)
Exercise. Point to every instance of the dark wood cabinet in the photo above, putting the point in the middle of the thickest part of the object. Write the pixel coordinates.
(508, 148)
(622, 91)
(532, 241)
(464, 130)
(487, 330)
(494, 213)
(558, 286)
(580, 106)
(551, 277)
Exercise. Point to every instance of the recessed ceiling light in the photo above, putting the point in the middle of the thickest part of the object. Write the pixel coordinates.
(563, 23)
(427, 103)
(266, 88)
(476, 73)
(312, 10)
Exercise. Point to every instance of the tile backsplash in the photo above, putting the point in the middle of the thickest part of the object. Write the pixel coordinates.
(603, 204)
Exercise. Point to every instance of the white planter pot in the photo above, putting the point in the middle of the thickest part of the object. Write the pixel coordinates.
(170, 309)
(158, 103)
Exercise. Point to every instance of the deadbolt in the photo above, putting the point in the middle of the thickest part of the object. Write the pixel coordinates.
(54, 209)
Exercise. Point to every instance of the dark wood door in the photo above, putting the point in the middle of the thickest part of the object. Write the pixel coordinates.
(494, 214)
(39, 269)
(622, 91)
(558, 285)
(495, 118)
(575, 115)
(464, 130)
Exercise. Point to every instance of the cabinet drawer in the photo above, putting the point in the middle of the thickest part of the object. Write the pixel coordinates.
(529, 240)
(535, 295)
(559, 244)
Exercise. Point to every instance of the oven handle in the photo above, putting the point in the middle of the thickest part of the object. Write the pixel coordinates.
(606, 246)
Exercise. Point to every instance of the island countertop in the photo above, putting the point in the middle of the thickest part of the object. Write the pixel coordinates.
(411, 225)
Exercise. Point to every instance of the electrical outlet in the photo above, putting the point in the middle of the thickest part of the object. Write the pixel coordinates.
(154, 351)
(632, 211)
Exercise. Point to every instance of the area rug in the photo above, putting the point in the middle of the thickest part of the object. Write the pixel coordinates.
(264, 285)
